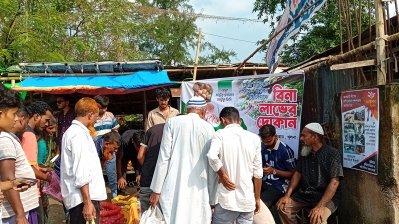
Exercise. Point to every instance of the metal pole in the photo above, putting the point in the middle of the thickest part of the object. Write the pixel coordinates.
(380, 43)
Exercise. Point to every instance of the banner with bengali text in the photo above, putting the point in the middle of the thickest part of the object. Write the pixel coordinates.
(261, 99)
(360, 128)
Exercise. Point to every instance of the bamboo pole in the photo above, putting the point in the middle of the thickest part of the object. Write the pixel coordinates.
(380, 43)
(197, 55)
(183, 70)
(332, 59)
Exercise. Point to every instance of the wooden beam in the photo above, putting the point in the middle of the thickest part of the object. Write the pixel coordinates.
(145, 112)
(356, 64)
(10, 78)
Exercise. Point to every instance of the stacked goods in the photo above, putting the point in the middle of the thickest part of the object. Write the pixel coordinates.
(130, 208)
(110, 214)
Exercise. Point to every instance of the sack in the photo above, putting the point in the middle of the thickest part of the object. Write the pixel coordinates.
(152, 216)
(110, 214)
(264, 216)
(130, 208)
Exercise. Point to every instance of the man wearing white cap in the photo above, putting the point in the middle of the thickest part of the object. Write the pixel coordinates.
(182, 173)
(316, 180)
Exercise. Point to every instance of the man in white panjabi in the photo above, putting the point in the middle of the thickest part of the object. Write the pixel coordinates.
(182, 174)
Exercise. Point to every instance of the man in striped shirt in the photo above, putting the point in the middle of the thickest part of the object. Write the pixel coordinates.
(13, 163)
(106, 123)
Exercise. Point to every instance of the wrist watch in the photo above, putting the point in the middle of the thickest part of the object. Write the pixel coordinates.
(274, 172)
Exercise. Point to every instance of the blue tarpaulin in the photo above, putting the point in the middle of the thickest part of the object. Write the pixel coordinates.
(100, 84)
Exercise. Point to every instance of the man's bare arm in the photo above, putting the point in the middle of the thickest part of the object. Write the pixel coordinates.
(89, 211)
(329, 192)
(294, 182)
(141, 154)
(7, 173)
(41, 175)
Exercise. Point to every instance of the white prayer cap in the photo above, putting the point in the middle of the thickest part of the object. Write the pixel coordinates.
(196, 101)
(315, 127)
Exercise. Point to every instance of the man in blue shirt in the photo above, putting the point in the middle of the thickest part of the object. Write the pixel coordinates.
(278, 162)
(106, 122)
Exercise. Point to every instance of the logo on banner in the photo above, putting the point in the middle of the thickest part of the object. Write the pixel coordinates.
(371, 95)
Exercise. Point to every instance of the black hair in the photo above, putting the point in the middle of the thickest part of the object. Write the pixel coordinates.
(230, 113)
(38, 107)
(112, 136)
(22, 112)
(9, 98)
(267, 130)
(65, 97)
(137, 138)
(102, 100)
(162, 93)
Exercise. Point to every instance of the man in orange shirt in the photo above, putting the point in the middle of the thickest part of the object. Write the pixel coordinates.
(40, 114)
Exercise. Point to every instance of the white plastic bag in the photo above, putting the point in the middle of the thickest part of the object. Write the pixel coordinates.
(152, 216)
(264, 216)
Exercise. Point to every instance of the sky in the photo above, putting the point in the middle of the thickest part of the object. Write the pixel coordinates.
(248, 31)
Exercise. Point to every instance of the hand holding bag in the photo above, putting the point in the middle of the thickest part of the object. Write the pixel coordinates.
(152, 216)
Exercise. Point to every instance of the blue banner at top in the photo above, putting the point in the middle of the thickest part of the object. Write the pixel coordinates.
(298, 11)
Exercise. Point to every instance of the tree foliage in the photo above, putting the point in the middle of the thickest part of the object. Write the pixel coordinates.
(88, 30)
(323, 30)
(215, 55)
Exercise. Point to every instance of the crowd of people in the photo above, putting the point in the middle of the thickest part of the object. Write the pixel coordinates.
(192, 172)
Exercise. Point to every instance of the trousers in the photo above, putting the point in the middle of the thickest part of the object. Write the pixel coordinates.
(288, 215)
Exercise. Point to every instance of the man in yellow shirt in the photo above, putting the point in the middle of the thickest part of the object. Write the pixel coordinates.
(164, 111)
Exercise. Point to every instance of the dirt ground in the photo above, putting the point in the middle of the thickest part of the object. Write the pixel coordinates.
(56, 213)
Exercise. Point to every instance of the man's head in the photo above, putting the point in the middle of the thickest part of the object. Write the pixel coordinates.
(102, 102)
(162, 96)
(40, 114)
(22, 121)
(87, 109)
(312, 136)
(137, 138)
(52, 128)
(111, 144)
(9, 104)
(229, 115)
(267, 134)
(63, 102)
(197, 105)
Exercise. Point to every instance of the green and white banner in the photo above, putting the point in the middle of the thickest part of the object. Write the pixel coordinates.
(261, 99)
